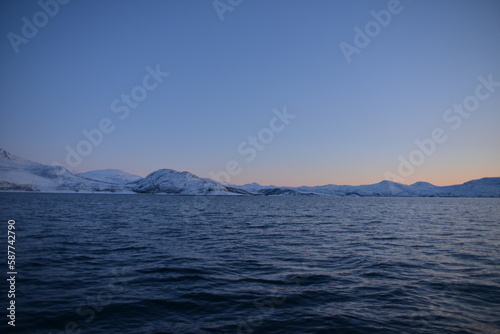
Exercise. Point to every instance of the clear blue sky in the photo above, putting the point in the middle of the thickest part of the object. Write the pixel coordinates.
(352, 121)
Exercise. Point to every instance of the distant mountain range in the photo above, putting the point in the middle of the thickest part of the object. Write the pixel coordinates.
(17, 174)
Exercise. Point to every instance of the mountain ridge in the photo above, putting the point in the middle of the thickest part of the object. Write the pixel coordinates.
(18, 174)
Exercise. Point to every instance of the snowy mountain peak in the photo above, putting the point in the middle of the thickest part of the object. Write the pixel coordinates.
(169, 181)
(4, 154)
(9, 160)
(422, 184)
(387, 182)
(170, 173)
(17, 174)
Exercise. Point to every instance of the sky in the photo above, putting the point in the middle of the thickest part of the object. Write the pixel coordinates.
(283, 92)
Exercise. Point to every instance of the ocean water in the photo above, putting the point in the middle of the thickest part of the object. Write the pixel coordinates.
(185, 264)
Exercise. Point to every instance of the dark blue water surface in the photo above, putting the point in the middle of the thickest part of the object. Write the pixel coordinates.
(173, 264)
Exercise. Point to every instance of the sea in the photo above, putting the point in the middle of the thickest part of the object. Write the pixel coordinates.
(142, 263)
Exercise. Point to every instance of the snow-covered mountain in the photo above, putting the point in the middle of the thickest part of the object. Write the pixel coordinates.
(17, 174)
(111, 176)
(485, 187)
(384, 188)
(169, 181)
